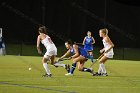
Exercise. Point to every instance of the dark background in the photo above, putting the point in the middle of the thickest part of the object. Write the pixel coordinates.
(71, 19)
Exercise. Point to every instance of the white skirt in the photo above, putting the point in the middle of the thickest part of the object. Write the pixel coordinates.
(108, 55)
(51, 51)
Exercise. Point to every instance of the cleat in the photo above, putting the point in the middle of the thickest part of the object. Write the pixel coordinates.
(59, 62)
(49, 75)
(68, 74)
(46, 75)
(104, 74)
(97, 74)
(56, 66)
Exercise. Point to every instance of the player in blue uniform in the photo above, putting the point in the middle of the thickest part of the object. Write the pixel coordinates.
(2, 46)
(79, 56)
(88, 44)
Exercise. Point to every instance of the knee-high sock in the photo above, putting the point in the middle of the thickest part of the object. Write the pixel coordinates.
(59, 64)
(100, 69)
(46, 67)
(73, 68)
(103, 68)
(91, 57)
(86, 69)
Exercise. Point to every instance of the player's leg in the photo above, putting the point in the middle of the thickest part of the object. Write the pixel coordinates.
(52, 58)
(84, 69)
(0, 51)
(45, 65)
(49, 56)
(4, 51)
(91, 56)
(75, 60)
(53, 52)
(102, 70)
(60, 64)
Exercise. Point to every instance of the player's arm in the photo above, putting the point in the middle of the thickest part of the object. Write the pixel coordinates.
(102, 50)
(66, 54)
(84, 40)
(93, 40)
(107, 39)
(38, 45)
(75, 47)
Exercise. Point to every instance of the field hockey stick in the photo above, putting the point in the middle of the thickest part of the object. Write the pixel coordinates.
(97, 60)
(78, 43)
(62, 59)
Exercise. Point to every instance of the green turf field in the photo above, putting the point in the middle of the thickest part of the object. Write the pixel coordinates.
(124, 77)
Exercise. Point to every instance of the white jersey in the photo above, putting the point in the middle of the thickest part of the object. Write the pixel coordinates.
(49, 45)
(106, 47)
(47, 42)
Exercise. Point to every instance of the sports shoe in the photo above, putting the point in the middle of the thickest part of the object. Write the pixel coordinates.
(68, 74)
(55, 65)
(97, 74)
(104, 74)
(67, 67)
(46, 75)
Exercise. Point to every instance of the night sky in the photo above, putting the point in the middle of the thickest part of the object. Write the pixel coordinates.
(71, 19)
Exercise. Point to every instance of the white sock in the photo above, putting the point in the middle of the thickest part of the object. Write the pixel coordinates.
(46, 67)
(100, 69)
(60, 64)
(103, 68)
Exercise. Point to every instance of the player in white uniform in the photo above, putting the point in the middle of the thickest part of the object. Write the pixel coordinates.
(50, 47)
(107, 50)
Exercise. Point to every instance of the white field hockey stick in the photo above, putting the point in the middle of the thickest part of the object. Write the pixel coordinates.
(97, 60)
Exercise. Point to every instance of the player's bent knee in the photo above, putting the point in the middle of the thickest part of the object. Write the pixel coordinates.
(44, 60)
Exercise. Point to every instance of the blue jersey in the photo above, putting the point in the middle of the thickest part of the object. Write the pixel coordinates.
(88, 44)
(81, 51)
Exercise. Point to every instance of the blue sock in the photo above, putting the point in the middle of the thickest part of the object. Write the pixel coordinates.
(86, 69)
(91, 57)
(73, 68)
